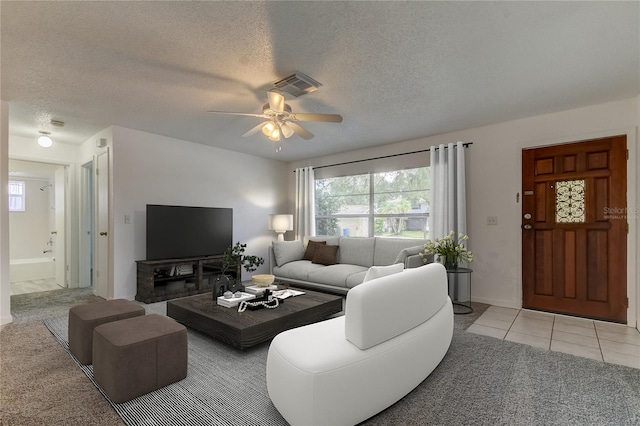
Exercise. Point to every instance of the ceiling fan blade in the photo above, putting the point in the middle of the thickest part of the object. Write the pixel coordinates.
(238, 113)
(327, 118)
(276, 100)
(300, 131)
(255, 130)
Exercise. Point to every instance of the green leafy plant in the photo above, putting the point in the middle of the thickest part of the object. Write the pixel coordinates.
(234, 255)
(450, 249)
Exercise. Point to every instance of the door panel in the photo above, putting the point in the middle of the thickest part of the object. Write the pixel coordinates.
(574, 251)
(102, 238)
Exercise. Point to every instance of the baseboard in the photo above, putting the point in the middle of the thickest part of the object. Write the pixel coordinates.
(498, 302)
(8, 319)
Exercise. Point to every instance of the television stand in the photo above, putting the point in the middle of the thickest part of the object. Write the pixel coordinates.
(165, 279)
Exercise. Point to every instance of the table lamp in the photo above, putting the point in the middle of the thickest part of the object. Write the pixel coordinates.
(280, 223)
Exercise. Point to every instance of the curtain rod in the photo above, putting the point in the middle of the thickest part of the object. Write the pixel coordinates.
(466, 144)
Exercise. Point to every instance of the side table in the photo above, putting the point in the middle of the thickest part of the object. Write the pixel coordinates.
(453, 275)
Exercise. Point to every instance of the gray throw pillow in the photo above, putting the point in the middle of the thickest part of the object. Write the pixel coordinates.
(287, 251)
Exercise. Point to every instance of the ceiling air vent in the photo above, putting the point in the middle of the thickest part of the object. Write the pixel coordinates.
(297, 84)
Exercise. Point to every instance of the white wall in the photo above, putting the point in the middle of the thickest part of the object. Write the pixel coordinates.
(494, 178)
(635, 222)
(5, 287)
(30, 230)
(154, 169)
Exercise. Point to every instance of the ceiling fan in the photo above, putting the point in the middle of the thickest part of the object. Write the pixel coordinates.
(280, 120)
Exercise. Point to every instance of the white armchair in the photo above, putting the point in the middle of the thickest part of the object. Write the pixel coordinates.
(395, 331)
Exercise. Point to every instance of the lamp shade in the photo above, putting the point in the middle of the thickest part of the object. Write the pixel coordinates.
(280, 223)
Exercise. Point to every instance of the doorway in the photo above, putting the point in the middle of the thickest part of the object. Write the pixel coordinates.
(37, 226)
(574, 245)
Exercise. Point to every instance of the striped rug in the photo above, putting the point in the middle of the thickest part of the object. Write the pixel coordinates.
(224, 386)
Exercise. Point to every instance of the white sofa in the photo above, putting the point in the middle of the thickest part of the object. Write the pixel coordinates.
(395, 331)
(353, 258)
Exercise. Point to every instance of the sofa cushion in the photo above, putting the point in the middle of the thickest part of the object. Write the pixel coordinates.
(287, 251)
(388, 249)
(330, 240)
(382, 271)
(325, 255)
(336, 275)
(357, 251)
(296, 270)
(355, 279)
(311, 249)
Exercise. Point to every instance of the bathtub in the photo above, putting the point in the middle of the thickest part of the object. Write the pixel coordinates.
(31, 269)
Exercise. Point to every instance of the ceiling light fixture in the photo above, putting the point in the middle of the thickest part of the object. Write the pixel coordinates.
(269, 128)
(272, 130)
(287, 131)
(44, 140)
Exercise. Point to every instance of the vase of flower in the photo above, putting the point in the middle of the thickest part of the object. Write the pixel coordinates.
(234, 256)
(450, 250)
(450, 262)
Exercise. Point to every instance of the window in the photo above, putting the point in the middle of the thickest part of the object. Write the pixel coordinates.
(16, 196)
(392, 204)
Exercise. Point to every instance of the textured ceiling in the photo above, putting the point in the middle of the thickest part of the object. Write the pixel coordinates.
(394, 70)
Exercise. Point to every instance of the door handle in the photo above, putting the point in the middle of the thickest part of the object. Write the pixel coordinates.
(103, 234)
(527, 226)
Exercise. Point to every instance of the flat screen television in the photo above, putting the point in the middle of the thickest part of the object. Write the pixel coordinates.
(175, 232)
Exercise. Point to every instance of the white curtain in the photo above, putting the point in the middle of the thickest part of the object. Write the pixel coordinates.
(448, 208)
(305, 214)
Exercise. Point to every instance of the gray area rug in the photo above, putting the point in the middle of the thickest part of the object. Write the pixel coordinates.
(224, 386)
(481, 381)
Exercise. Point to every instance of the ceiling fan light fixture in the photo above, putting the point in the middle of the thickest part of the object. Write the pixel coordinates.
(269, 128)
(275, 134)
(287, 131)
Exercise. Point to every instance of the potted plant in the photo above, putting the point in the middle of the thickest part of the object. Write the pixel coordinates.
(449, 249)
(232, 256)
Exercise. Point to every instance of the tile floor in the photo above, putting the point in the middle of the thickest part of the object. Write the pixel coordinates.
(602, 341)
(34, 286)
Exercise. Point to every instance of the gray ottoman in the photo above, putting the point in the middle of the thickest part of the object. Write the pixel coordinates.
(84, 318)
(138, 355)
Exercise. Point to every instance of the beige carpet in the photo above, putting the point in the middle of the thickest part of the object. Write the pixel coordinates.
(39, 383)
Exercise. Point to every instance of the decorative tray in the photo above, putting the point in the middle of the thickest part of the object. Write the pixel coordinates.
(234, 301)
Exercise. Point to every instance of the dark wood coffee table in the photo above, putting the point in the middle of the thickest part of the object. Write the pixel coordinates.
(248, 328)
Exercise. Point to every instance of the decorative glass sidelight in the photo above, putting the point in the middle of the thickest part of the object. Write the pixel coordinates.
(570, 201)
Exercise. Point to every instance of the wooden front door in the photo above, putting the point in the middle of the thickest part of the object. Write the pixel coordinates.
(574, 229)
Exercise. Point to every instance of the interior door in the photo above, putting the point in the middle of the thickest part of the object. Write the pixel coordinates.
(574, 229)
(87, 225)
(101, 263)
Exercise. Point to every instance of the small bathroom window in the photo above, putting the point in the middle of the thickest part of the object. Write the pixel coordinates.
(16, 196)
